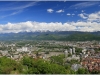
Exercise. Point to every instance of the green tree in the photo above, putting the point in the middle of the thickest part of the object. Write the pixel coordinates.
(8, 65)
(57, 59)
(39, 66)
(82, 71)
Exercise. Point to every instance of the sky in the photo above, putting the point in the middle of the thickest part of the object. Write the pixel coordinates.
(19, 16)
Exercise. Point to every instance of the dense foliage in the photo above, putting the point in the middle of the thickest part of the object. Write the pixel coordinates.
(28, 65)
(9, 66)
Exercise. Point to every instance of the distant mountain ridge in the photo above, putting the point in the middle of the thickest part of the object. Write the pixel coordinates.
(57, 35)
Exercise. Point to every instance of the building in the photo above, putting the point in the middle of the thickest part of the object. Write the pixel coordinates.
(4, 53)
(74, 50)
(19, 50)
(25, 49)
(75, 67)
(72, 58)
(66, 53)
(91, 63)
(70, 51)
(16, 56)
(84, 51)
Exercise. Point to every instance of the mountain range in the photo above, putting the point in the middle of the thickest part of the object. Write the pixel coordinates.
(56, 35)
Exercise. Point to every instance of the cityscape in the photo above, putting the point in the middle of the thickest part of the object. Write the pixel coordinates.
(85, 53)
(50, 37)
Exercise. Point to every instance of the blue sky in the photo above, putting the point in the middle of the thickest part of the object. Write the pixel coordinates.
(16, 16)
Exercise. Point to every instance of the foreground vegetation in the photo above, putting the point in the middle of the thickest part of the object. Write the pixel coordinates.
(28, 65)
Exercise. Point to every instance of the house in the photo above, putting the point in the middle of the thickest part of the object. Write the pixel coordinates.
(75, 67)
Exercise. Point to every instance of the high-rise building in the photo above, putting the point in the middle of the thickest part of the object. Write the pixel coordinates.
(66, 53)
(74, 50)
(70, 51)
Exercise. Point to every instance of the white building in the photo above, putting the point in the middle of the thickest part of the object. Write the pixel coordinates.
(25, 49)
(70, 51)
(73, 58)
(19, 50)
(84, 51)
(15, 56)
(74, 50)
(66, 53)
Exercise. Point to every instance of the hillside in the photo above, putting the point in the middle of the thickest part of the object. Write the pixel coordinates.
(61, 36)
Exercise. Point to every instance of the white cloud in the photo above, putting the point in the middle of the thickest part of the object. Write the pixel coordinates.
(82, 15)
(50, 10)
(65, 0)
(21, 7)
(86, 26)
(91, 23)
(91, 17)
(82, 11)
(94, 16)
(52, 26)
(14, 13)
(68, 14)
(83, 5)
(17, 9)
(59, 11)
(73, 14)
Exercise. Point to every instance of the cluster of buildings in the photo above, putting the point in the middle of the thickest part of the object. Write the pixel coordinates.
(92, 62)
(88, 57)
(71, 54)
(17, 53)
